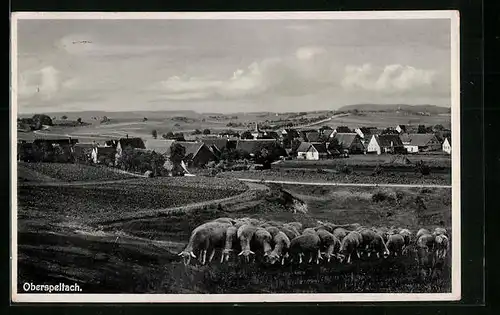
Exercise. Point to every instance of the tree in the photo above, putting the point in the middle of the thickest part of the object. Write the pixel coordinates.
(145, 119)
(343, 129)
(421, 129)
(334, 144)
(389, 131)
(79, 120)
(168, 135)
(105, 119)
(64, 117)
(154, 133)
(197, 132)
(439, 127)
(246, 135)
(39, 120)
(177, 155)
(206, 131)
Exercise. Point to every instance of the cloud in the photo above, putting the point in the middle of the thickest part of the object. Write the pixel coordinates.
(308, 70)
(43, 82)
(91, 46)
(391, 79)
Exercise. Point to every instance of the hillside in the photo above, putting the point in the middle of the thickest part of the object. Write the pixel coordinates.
(125, 115)
(431, 109)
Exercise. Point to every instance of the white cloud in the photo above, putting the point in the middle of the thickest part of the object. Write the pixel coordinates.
(308, 70)
(91, 46)
(43, 82)
(389, 79)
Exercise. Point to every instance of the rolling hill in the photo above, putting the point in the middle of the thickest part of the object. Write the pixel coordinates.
(431, 109)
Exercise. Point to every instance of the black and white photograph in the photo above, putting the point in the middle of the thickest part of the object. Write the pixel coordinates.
(235, 157)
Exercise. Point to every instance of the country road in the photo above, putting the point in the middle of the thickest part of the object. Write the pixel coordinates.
(341, 184)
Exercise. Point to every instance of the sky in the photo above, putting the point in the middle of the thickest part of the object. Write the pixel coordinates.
(230, 65)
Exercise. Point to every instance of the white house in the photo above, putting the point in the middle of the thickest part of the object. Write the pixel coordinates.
(388, 143)
(418, 142)
(312, 151)
(447, 146)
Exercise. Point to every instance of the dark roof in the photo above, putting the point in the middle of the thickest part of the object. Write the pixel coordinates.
(386, 140)
(312, 136)
(345, 139)
(292, 132)
(105, 150)
(135, 143)
(253, 146)
(85, 145)
(219, 143)
(160, 146)
(328, 132)
(304, 146)
(320, 147)
(418, 139)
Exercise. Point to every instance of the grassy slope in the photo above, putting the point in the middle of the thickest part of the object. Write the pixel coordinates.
(105, 263)
(66, 172)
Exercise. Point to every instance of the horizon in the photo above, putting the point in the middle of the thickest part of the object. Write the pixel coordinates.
(170, 65)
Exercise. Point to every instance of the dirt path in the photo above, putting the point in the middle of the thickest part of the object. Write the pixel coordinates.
(341, 184)
(248, 195)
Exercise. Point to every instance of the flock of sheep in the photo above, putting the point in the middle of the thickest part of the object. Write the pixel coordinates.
(275, 242)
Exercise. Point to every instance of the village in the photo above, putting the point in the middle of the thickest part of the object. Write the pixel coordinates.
(177, 154)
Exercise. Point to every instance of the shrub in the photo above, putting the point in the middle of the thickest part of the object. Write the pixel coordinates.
(344, 169)
(380, 196)
(422, 168)
(378, 170)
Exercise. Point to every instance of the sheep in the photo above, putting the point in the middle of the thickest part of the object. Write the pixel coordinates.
(384, 232)
(373, 242)
(422, 232)
(340, 233)
(309, 231)
(262, 241)
(245, 234)
(440, 231)
(425, 252)
(291, 233)
(200, 240)
(395, 244)
(231, 243)
(272, 230)
(442, 246)
(350, 245)
(224, 220)
(297, 225)
(329, 242)
(281, 246)
(407, 237)
(305, 244)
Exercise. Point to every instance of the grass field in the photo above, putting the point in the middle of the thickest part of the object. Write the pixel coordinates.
(66, 172)
(388, 119)
(63, 236)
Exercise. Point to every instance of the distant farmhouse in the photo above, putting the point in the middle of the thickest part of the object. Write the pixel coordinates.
(123, 143)
(251, 147)
(447, 146)
(388, 143)
(312, 151)
(420, 142)
(197, 153)
(350, 142)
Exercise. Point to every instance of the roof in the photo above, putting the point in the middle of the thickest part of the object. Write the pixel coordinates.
(304, 146)
(345, 139)
(386, 140)
(136, 143)
(418, 139)
(328, 132)
(219, 143)
(320, 147)
(105, 150)
(192, 148)
(85, 145)
(252, 146)
(160, 146)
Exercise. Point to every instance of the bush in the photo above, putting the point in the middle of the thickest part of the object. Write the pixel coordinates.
(380, 196)
(378, 170)
(344, 169)
(422, 168)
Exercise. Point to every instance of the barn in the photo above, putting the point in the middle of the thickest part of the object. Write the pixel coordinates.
(312, 151)
(388, 143)
(350, 142)
(197, 153)
(420, 142)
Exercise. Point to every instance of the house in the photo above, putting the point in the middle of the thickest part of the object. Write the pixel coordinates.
(83, 151)
(312, 151)
(447, 146)
(103, 155)
(310, 136)
(328, 133)
(197, 153)
(366, 133)
(420, 142)
(160, 146)
(350, 142)
(256, 133)
(388, 143)
(123, 143)
(400, 128)
(251, 147)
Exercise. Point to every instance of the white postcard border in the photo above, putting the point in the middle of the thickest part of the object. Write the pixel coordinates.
(249, 298)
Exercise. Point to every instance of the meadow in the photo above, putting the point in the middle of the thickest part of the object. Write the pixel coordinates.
(65, 234)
